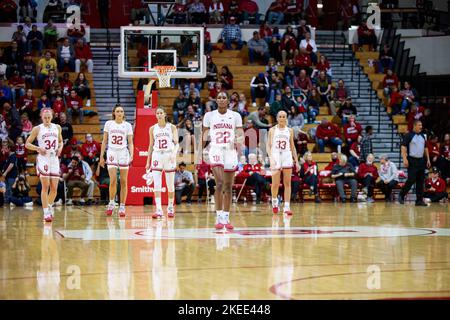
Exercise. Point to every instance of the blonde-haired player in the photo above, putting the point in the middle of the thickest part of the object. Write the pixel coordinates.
(283, 156)
(118, 137)
(162, 156)
(49, 148)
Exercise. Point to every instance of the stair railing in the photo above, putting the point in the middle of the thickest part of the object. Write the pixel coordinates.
(343, 49)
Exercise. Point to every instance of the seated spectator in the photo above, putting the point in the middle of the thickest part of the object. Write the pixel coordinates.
(43, 102)
(367, 36)
(259, 88)
(197, 12)
(328, 133)
(303, 82)
(45, 64)
(226, 77)
(347, 110)
(50, 34)
(366, 143)
(355, 153)
(444, 161)
(295, 120)
(308, 173)
(275, 13)
(242, 106)
(254, 173)
(58, 107)
(258, 48)
(301, 142)
(88, 178)
(232, 33)
(433, 149)
(323, 88)
(76, 33)
(81, 86)
(386, 59)
(27, 26)
(313, 106)
(83, 55)
(49, 81)
(74, 106)
(184, 184)
(309, 47)
(435, 188)
(258, 118)
(211, 72)
(265, 32)
(179, 13)
(215, 11)
(17, 85)
(90, 150)
(186, 133)
(395, 101)
(233, 10)
(303, 62)
(333, 162)
(195, 101)
(416, 113)
(344, 173)
(20, 192)
(339, 96)
(205, 178)
(293, 12)
(287, 99)
(390, 80)
(388, 177)
(12, 119)
(234, 100)
(277, 106)
(20, 37)
(288, 48)
(27, 126)
(271, 67)
(5, 92)
(66, 56)
(66, 129)
(368, 175)
(179, 107)
(9, 172)
(275, 86)
(21, 154)
(322, 65)
(28, 70)
(302, 29)
(249, 12)
(290, 71)
(352, 130)
(35, 40)
(54, 8)
(75, 178)
(409, 95)
(274, 49)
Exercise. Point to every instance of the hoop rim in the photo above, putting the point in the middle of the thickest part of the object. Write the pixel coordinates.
(164, 69)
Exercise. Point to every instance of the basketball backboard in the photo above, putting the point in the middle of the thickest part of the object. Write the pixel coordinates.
(144, 47)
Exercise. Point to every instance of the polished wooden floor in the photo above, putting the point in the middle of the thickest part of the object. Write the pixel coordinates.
(326, 251)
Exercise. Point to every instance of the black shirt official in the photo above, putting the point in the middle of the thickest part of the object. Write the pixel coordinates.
(416, 159)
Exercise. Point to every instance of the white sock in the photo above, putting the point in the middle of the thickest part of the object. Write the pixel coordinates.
(158, 204)
(225, 216)
(46, 211)
(274, 202)
(170, 203)
(122, 205)
(111, 202)
(286, 205)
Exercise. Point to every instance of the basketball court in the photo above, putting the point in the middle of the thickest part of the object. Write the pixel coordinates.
(326, 251)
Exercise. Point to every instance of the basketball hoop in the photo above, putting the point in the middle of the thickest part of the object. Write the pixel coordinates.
(164, 73)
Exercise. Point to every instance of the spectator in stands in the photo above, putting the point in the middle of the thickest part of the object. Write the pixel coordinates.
(26, 103)
(50, 34)
(295, 119)
(390, 80)
(9, 172)
(179, 107)
(138, 10)
(49, 81)
(275, 86)
(53, 8)
(76, 33)
(288, 48)
(287, 99)
(27, 26)
(302, 29)
(17, 85)
(20, 192)
(249, 11)
(211, 72)
(444, 160)
(81, 86)
(5, 92)
(258, 118)
(368, 175)
(184, 184)
(90, 150)
(301, 142)
(322, 65)
(35, 40)
(274, 49)
(43, 102)
(258, 48)
(409, 95)
(313, 105)
(259, 88)
(75, 178)
(179, 13)
(195, 102)
(386, 59)
(232, 33)
(265, 32)
(355, 153)
(366, 143)
(21, 154)
(45, 64)
(8, 11)
(205, 179)
(233, 10)
(309, 174)
(58, 106)
(323, 88)
(254, 173)
(352, 130)
(83, 55)
(74, 106)
(242, 106)
(66, 129)
(435, 188)
(289, 73)
(334, 160)
(275, 13)
(303, 82)
(346, 110)
(341, 93)
(416, 113)
(88, 178)
(215, 11)
(293, 12)
(328, 133)
(276, 106)
(66, 56)
(28, 70)
(27, 126)
(367, 36)
(13, 57)
(12, 119)
(20, 37)
(303, 62)
(395, 101)
(344, 173)
(226, 77)
(433, 149)
(309, 47)
(197, 12)
(388, 173)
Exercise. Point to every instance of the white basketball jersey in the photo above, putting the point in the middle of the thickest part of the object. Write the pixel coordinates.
(48, 137)
(281, 139)
(222, 127)
(118, 134)
(163, 138)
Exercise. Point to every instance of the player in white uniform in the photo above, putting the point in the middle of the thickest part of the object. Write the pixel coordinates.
(118, 136)
(50, 144)
(283, 156)
(162, 156)
(224, 128)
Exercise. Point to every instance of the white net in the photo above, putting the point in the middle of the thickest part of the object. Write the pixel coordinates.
(164, 73)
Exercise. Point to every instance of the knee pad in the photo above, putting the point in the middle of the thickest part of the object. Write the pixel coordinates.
(157, 175)
(170, 181)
